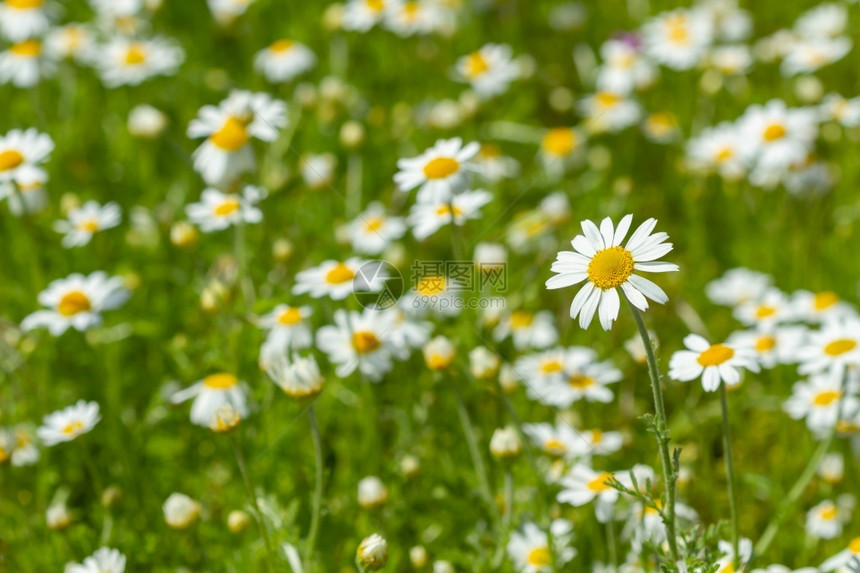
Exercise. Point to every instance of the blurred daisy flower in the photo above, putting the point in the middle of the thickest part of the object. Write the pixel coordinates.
(408, 17)
(726, 563)
(209, 394)
(489, 71)
(337, 279)
(428, 217)
(440, 171)
(712, 362)
(833, 349)
(104, 560)
(560, 148)
(738, 286)
(284, 60)
(836, 108)
(217, 210)
(819, 400)
(819, 307)
(372, 231)
(288, 329)
(26, 194)
(581, 378)
(358, 341)
(772, 346)
(146, 122)
(298, 378)
(72, 41)
(21, 155)
(67, 424)
(77, 301)
(362, 15)
(225, 12)
(678, 39)
(25, 63)
(123, 61)
(180, 511)
(731, 60)
(624, 68)
(527, 329)
(582, 485)
(600, 259)
(228, 128)
(718, 150)
(493, 166)
(609, 111)
(771, 308)
(83, 222)
(23, 19)
(558, 440)
(775, 136)
(825, 520)
(810, 55)
(530, 551)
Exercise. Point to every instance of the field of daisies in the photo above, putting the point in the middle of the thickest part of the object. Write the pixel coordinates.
(516, 286)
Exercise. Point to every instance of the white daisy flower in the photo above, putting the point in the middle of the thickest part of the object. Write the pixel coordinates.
(772, 346)
(489, 71)
(609, 111)
(834, 107)
(818, 401)
(718, 149)
(440, 171)
(549, 365)
(561, 148)
(731, 23)
(299, 378)
(678, 39)
(117, 8)
(338, 279)
(527, 329)
(26, 194)
(362, 15)
(832, 467)
(776, 136)
(530, 552)
(72, 41)
(834, 349)
(212, 393)
(731, 60)
(23, 19)
(843, 558)
(180, 511)
(581, 379)
(217, 211)
(83, 222)
(602, 443)
(826, 20)
(648, 525)
(25, 63)
(624, 68)
(810, 55)
(372, 231)
(582, 485)
(436, 293)
(606, 265)
(825, 520)
(21, 156)
(428, 217)
(225, 12)
(819, 307)
(104, 560)
(560, 441)
(493, 166)
(317, 169)
(738, 286)
(67, 424)
(228, 128)
(408, 17)
(288, 329)
(712, 362)
(123, 61)
(771, 308)
(77, 301)
(284, 60)
(726, 564)
(358, 341)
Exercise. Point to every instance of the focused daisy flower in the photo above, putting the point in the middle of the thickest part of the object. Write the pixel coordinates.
(490, 70)
(408, 17)
(440, 171)
(25, 63)
(339, 279)
(825, 520)
(104, 560)
(714, 363)
(560, 148)
(581, 378)
(72, 41)
(609, 111)
(731, 60)
(718, 150)
(530, 551)
(284, 60)
(83, 222)
(298, 378)
(123, 61)
(362, 15)
(23, 19)
(77, 301)
(213, 392)
(358, 341)
(229, 128)
(600, 259)
(810, 55)
(372, 231)
(21, 155)
(372, 553)
(819, 307)
(819, 401)
(288, 329)
(560, 440)
(426, 218)
(67, 424)
(217, 210)
(180, 511)
(772, 346)
(527, 329)
(678, 39)
(771, 308)
(775, 136)
(624, 68)
(836, 108)
(738, 286)
(833, 349)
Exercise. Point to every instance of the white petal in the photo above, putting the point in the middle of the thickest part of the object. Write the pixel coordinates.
(580, 299)
(583, 245)
(565, 280)
(607, 231)
(656, 267)
(696, 342)
(589, 308)
(609, 306)
(649, 289)
(593, 235)
(621, 229)
(640, 234)
(634, 296)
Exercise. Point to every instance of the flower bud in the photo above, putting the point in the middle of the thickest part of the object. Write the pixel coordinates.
(372, 553)
(238, 521)
(439, 353)
(483, 363)
(372, 493)
(505, 444)
(180, 511)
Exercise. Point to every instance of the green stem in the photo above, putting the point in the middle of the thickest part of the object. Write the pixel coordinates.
(252, 498)
(663, 427)
(318, 485)
(610, 544)
(730, 475)
(507, 521)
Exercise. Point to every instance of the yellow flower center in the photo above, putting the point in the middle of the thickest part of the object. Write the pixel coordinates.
(539, 557)
(599, 484)
(476, 65)
(824, 300)
(596, 436)
(282, 46)
(610, 268)
(373, 224)
(554, 446)
(441, 167)
(24, 4)
(438, 361)
(829, 513)
(580, 381)
(607, 99)
(728, 568)
(765, 343)
(765, 311)
(676, 30)
(135, 55)
(232, 136)
(715, 355)
(445, 209)
(27, 49)
(220, 381)
(339, 274)
(560, 141)
(551, 366)
(376, 5)
(521, 319)
(411, 10)
(854, 546)
(826, 398)
(228, 206)
(430, 286)
(724, 154)
(365, 341)
(73, 427)
(774, 132)
(74, 302)
(661, 123)
(10, 159)
(90, 226)
(290, 316)
(840, 346)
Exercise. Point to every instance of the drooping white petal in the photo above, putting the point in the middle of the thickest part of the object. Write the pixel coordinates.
(609, 306)
(588, 309)
(580, 299)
